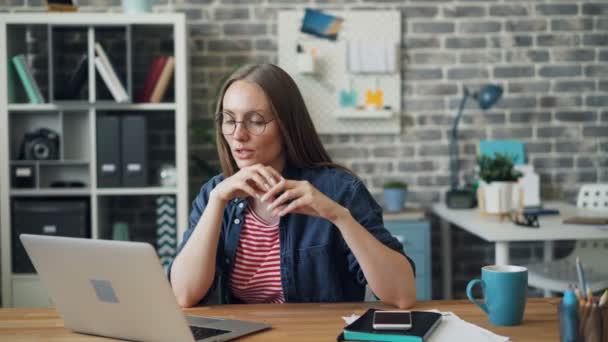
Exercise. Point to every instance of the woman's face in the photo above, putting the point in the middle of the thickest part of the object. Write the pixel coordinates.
(255, 139)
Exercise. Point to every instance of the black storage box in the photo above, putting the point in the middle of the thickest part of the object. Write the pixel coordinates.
(23, 176)
(57, 216)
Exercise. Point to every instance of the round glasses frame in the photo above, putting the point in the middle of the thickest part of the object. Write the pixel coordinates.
(249, 124)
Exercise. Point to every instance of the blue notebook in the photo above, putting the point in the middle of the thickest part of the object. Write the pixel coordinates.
(423, 324)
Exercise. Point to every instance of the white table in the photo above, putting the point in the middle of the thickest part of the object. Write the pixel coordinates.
(502, 233)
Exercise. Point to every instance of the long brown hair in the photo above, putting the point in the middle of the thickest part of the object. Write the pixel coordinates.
(301, 143)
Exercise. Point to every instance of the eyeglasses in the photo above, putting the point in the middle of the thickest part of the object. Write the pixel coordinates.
(254, 123)
(525, 219)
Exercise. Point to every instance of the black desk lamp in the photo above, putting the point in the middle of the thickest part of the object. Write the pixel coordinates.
(456, 198)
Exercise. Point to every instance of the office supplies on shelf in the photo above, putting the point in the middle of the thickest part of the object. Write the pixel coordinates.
(11, 83)
(23, 176)
(51, 217)
(27, 79)
(134, 157)
(109, 168)
(163, 81)
(76, 81)
(105, 75)
(152, 78)
(423, 324)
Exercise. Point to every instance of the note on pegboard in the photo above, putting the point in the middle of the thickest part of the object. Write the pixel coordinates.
(322, 88)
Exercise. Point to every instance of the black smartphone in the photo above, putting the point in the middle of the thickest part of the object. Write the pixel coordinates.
(392, 320)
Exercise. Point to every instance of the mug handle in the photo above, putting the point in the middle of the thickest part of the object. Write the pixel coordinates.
(470, 286)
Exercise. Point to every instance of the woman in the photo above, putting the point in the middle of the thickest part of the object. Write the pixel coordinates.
(283, 223)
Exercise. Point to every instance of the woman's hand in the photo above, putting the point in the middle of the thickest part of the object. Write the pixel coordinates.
(254, 180)
(301, 197)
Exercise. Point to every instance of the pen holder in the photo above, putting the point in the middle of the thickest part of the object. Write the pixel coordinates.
(604, 323)
(594, 326)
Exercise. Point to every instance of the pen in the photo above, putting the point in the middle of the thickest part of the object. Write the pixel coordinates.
(583, 317)
(577, 292)
(581, 277)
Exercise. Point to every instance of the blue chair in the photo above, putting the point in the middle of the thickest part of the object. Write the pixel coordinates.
(514, 148)
(556, 275)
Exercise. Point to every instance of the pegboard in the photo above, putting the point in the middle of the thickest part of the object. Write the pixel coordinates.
(321, 89)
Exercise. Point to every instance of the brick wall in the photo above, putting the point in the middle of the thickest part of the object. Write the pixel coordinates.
(551, 57)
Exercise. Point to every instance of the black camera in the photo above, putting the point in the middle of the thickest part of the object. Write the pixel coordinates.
(42, 144)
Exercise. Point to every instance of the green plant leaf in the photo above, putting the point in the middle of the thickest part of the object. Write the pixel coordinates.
(395, 185)
(497, 169)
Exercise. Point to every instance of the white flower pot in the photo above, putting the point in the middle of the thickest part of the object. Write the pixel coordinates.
(497, 197)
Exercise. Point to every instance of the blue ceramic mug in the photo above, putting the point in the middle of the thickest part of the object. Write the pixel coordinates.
(505, 290)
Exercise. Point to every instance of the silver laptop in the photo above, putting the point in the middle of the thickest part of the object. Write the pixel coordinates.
(119, 289)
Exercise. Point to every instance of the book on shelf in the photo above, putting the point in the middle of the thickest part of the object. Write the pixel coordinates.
(113, 81)
(76, 81)
(423, 324)
(152, 77)
(163, 81)
(105, 75)
(12, 87)
(27, 79)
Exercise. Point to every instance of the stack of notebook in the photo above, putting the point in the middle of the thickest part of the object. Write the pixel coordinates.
(423, 324)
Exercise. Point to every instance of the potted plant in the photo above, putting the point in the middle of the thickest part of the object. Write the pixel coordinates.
(498, 176)
(394, 195)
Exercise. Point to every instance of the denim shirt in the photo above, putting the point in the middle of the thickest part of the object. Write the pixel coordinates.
(316, 263)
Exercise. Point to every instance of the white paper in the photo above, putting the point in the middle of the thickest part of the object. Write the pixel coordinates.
(354, 59)
(453, 328)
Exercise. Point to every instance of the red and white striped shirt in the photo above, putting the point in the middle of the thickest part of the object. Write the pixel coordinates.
(256, 276)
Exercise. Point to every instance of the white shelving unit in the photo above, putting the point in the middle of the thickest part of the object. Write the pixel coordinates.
(75, 120)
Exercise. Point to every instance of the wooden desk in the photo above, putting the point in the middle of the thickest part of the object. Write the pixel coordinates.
(291, 322)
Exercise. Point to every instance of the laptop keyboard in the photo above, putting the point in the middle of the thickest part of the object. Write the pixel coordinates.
(200, 332)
